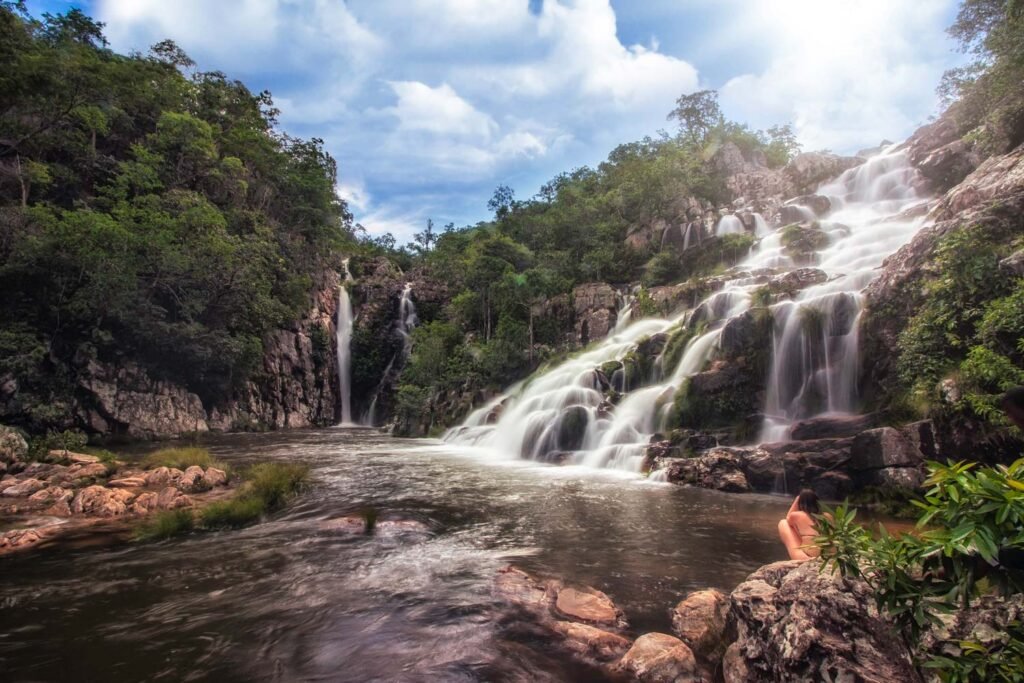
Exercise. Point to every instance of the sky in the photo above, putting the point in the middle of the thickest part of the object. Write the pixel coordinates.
(429, 105)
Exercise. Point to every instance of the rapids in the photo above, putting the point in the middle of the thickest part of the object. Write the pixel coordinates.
(815, 364)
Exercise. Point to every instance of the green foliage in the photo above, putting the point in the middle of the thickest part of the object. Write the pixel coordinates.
(266, 487)
(165, 524)
(969, 516)
(645, 305)
(664, 268)
(145, 215)
(232, 513)
(180, 458)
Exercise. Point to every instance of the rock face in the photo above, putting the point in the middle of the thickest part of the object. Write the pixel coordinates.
(796, 623)
(101, 501)
(594, 307)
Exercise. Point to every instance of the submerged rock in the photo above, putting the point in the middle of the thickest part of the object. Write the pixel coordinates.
(590, 642)
(588, 605)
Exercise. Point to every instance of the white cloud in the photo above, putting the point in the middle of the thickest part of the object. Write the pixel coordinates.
(438, 110)
(355, 195)
(844, 73)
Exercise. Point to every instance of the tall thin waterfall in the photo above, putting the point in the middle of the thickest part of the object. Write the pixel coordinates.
(404, 323)
(563, 415)
(343, 337)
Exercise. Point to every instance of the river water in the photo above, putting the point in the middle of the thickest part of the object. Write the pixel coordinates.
(290, 599)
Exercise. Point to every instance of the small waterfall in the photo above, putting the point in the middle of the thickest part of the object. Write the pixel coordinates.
(625, 312)
(404, 324)
(599, 409)
(729, 224)
(343, 337)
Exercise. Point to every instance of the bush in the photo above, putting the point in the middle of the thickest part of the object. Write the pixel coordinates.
(180, 458)
(165, 524)
(267, 487)
(970, 516)
(232, 513)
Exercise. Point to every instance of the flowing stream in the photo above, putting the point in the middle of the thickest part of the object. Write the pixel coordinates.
(404, 324)
(291, 599)
(815, 364)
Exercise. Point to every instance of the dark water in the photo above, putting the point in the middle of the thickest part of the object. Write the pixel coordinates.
(290, 600)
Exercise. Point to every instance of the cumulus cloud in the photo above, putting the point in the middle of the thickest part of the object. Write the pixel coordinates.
(429, 104)
(845, 74)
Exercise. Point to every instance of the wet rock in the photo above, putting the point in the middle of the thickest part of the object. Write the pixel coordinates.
(802, 242)
(19, 538)
(588, 605)
(795, 280)
(516, 587)
(101, 501)
(170, 498)
(887, 456)
(358, 525)
(795, 622)
(214, 477)
(23, 488)
(145, 503)
(572, 428)
(719, 469)
(163, 476)
(817, 203)
(52, 495)
(191, 480)
(810, 169)
(833, 426)
(62, 508)
(127, 483)
(700, 622)
(74, 458)
(13, 447)
(659, 658)
(87, 471)
(590, 642)
(594, 305)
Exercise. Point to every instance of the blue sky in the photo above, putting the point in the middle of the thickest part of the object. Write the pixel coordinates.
(428, 105)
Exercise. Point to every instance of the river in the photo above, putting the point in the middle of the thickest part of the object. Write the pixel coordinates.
(290, 599)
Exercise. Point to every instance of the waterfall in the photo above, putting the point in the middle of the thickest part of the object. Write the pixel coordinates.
(564, 414)
(404, 323)
(729, 224)
(343, 337)
(625, 313)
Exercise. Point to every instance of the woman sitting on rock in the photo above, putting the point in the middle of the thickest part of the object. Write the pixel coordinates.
(798, 530)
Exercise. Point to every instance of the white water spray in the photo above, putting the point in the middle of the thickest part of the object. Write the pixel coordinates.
(404, 324)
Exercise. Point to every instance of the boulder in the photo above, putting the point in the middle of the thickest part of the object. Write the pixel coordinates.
(984, 622)
(700, 622)
(215, 477)
(514, 586)
(100, 501)
(588, 605)
(819, 204)
(74, 458)
(163, 476)
(590, 642)
(720, 469)
(23, 489)
(594, 306)
(144, 503)
(19, 538)
(93, 470)
(52, 495)
(660, 658)
(887, 456)
(795, 280)
(191, 480)
(809, 169)
(796, 622)
(170, 498)
(13, 447)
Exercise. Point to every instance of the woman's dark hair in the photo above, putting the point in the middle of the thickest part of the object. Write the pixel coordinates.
(807, 502)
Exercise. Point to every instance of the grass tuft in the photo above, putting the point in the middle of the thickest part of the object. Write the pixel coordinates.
(165, 524)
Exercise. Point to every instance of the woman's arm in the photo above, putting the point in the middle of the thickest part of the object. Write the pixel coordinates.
(793, 507)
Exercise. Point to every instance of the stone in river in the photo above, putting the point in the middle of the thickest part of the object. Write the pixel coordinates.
(127, 483)
(700, 621)
(660, 658)
(590, 641)
(587, 605)
(23, 488)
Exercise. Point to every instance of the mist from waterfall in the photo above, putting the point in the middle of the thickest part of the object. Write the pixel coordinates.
(561, 414)
(343, 339)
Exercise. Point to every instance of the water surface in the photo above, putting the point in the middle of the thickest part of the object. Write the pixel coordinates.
(289, 599)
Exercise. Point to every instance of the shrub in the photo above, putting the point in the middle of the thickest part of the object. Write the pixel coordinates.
(275, 483)
(970, 516)
(165, 524)
(232, 513)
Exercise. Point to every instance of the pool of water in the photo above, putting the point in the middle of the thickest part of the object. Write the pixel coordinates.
(291, 599)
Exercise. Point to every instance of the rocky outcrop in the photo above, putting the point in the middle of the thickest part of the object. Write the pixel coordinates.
(795, 622)
(808, 170)
(941, 153)
(700, 621)
(659, 658)
(594, 308)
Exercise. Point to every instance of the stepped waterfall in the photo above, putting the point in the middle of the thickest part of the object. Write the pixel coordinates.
(562, 414)
(343, 339)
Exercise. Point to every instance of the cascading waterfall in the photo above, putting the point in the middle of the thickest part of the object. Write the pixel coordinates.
(343, 338)
(625, 313)
(563, 414)
(404, 324)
